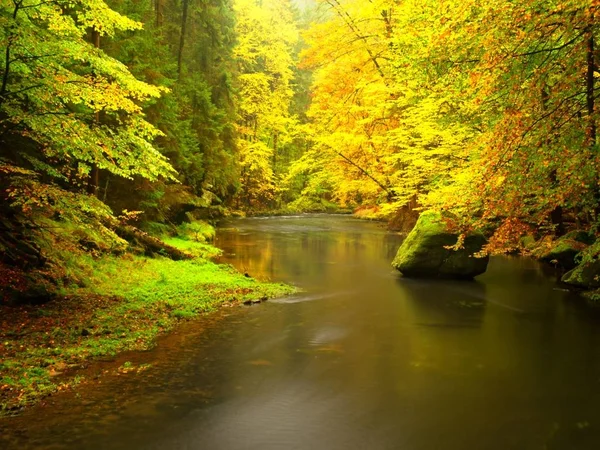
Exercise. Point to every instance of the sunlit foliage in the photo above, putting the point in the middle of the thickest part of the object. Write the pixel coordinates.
(488, 110)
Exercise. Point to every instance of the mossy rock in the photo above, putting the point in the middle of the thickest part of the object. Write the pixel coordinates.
(528, 242)
(423, 252)
(592, 298)
(585, 237)
(562, 252)
(586, 275)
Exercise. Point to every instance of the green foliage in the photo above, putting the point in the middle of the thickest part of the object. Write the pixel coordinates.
(54, 81)
(192, 58)
(193, 247)
(314, 204)
(196, 230)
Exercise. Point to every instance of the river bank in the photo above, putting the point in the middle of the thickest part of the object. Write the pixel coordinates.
(127, 303)
(363, 358)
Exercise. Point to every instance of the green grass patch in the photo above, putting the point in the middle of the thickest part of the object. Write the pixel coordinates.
(195, 248)
(127, 302)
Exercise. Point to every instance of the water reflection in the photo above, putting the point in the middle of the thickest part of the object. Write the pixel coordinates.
(361, 359)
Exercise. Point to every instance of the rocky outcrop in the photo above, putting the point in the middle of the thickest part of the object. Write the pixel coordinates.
(424, 252)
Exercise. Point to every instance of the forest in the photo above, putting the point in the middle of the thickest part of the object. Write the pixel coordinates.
(128, 127)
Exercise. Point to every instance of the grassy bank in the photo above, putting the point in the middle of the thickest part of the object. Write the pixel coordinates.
(126, 303)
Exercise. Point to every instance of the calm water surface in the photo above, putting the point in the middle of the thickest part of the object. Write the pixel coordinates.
(362, 359)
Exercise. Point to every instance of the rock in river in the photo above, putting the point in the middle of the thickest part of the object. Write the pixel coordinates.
(561, 252)
(422, 254)
(586, 275)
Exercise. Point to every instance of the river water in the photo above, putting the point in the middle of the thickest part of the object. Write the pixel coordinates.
(361, 359)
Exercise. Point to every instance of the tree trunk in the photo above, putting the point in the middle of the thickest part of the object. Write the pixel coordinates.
(556, 215)
(94, 180)
(150, 244)
(159, 9)
(184, 16)
(591, 66)
(275, 138)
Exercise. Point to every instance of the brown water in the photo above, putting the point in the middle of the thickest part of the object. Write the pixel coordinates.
(362, 359)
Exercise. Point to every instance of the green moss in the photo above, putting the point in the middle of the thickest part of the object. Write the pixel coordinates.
(426, 252)
(431, 222)
(195, 248)
(128, 302)
(562, 252)
(582, 236)
(593, 298)
(527, 242)
(586, 275)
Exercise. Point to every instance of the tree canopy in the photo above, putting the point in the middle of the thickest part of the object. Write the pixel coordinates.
(179, 107)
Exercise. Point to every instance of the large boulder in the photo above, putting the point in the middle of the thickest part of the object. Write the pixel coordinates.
(423, 253)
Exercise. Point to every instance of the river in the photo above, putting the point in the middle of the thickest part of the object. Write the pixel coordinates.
(362, 358)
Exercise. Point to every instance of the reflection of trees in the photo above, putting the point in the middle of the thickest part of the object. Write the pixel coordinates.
(301, 255)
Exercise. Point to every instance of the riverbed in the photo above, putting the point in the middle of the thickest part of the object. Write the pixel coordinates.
(361, 358)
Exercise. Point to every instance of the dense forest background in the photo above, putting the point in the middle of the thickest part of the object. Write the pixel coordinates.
(157, 113)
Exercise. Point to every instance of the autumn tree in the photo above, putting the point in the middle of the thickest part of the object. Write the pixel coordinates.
(528, 72)
(379, 132)
(188, 50)
(49, 100)
(55, 82)
(264, 53)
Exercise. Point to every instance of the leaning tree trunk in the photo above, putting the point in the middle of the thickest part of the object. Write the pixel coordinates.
(151, 244)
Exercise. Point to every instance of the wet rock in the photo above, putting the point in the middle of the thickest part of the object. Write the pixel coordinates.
(586, 275)
(423, 253)
(561, 252)
(255, 301)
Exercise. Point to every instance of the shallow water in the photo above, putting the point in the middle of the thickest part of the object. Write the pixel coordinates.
(361, 359)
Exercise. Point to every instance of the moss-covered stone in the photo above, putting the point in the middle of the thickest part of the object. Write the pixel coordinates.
(562, 252)
(586, 275)
(585, 237)
(592, 298)
(423, 253)
(528, 242)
